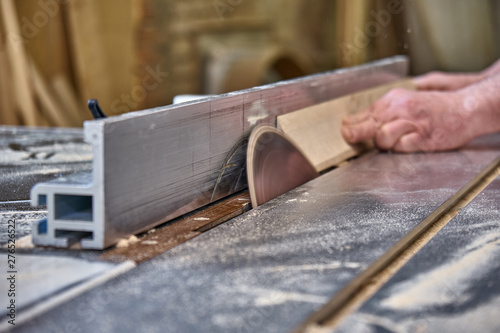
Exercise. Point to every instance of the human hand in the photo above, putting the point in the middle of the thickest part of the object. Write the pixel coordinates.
(445, 81)
(411, 121)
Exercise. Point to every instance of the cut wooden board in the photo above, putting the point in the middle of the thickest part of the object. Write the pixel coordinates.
(316, 129)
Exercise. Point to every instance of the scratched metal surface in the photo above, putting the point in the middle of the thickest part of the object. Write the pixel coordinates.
(269, 269)
(451, 285)
(158, 164)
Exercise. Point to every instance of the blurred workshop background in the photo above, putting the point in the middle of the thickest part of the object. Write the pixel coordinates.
(137, 54)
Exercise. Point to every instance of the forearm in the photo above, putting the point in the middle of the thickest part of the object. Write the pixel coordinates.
(491, 70)
(454, 81)
(481, 104)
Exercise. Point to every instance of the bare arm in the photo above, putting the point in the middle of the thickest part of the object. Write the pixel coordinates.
(409, 121)
(453, 81)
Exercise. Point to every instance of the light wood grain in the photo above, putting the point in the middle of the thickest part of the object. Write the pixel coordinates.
(7, 106)
(87, 50)
(354, 14)
(46, 40)
(19, 64)
(316, 129)
(68, 99)
(54, 112)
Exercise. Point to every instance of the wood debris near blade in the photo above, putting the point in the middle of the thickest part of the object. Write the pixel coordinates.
(164, 238)
(316, 129)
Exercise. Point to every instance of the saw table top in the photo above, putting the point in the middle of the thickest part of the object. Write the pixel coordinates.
(451, 285)
(271, 268)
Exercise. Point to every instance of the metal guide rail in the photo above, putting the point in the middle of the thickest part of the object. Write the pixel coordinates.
(152, 166)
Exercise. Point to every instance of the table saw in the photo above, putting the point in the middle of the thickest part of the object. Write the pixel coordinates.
(147, 226)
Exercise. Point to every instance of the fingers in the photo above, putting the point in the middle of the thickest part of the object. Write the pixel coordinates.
(386, 121)
(445, 81)
(376, 110)
(433, 81)
(407, 121)
(386, 137)
(361, 131)
(424, 83)
(357, 118)
(390, 133)
(409, 143)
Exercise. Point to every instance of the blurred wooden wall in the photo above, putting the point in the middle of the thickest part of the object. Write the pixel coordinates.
(55, 55)
(368, 30)
(136, 54)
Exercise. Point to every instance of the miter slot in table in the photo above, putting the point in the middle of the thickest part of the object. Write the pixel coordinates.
(367, 283)
(451, 285)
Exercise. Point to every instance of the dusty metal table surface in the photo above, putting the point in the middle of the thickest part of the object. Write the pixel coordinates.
(28, 156)
(451, 285)
(31, 155)
(269, 269)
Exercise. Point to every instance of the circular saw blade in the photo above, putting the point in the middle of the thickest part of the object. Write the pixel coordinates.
(274, 165)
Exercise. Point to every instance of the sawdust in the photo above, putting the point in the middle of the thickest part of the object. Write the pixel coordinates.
(272, 297)
(25, 242)
(447, 284)
(126, 242)
(149, 242)
(377, 281)
(320, 267)
(258, 112)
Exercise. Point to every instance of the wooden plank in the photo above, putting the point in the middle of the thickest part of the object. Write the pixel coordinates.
(19, 63)
(87, 51)
(117, 36)
(45, 35)
(354, 47)
(316, 129)
(390, 39)
(7, 106)
(68, 99)
(47, 47)
(54, 112)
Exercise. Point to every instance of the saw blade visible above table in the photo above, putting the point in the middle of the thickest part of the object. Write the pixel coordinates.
(274, 165)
